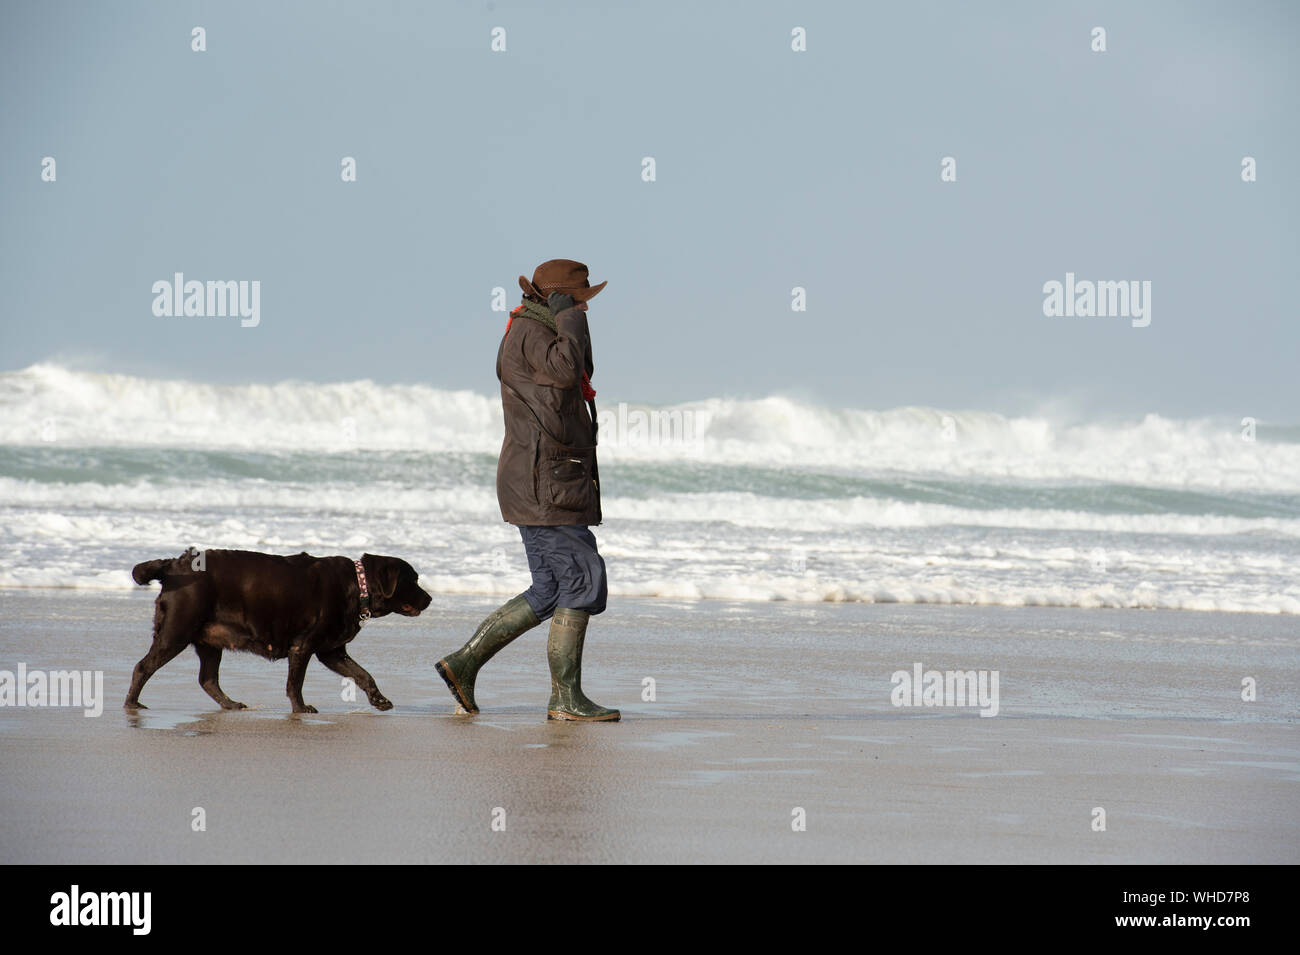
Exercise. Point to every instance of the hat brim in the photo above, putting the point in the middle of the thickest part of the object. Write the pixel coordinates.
(579, 294)
(582, 294)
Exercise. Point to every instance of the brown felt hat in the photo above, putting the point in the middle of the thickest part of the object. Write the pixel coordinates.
(560, 275)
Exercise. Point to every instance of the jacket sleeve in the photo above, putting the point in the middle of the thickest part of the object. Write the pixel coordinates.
(560, 361)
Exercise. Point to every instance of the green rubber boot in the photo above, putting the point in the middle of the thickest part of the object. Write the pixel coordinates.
(564, 654)
(502, 625)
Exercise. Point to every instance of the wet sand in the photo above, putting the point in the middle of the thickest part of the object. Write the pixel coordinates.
(759, 709)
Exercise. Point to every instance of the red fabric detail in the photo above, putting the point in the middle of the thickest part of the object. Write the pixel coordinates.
(512, 318)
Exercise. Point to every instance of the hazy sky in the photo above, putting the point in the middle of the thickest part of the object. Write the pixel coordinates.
(774, 169)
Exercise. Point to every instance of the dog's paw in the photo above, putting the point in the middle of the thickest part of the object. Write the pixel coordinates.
(381, 702)
(134, 705)
(305, 708)
(233, 705)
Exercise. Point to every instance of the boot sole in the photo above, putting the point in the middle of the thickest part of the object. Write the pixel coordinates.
(447, 677)
(570, 718)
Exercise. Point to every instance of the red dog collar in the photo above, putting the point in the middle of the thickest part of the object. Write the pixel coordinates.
(365, 593)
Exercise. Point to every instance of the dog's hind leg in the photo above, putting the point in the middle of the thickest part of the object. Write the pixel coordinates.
(149, 665)
(342, 664)
(209, 664)
(167, 643)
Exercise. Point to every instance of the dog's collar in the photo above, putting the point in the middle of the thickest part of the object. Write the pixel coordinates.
(365, 594)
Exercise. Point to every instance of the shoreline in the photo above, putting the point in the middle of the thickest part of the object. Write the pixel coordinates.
(505, 593)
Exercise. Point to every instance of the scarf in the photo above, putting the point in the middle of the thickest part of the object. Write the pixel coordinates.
(541, 313)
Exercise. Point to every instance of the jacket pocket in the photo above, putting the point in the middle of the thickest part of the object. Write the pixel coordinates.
(566, 480)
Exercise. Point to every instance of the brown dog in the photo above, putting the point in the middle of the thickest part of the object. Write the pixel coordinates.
(275, 607)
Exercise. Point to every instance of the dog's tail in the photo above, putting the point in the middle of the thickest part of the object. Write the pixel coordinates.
(151, 570)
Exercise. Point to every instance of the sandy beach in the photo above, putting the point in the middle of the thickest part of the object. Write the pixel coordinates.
(760, 710)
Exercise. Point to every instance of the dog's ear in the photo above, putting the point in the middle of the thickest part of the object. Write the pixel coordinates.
(386, 572)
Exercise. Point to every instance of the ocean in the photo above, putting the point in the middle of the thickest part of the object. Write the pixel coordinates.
(768, 499)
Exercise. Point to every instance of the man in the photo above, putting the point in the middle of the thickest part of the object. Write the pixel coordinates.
(549, 486)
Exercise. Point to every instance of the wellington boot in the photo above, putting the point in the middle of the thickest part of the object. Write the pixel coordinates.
(564, 654)
(502, 625)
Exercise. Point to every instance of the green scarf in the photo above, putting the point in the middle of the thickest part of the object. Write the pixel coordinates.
(538, 313)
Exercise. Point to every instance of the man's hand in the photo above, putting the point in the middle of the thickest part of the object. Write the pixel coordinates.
(573, 323)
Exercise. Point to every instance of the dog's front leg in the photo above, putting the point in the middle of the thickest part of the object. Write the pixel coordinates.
(298, 658)
(342, 664)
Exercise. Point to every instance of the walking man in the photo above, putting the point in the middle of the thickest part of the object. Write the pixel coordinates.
(549, 486)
